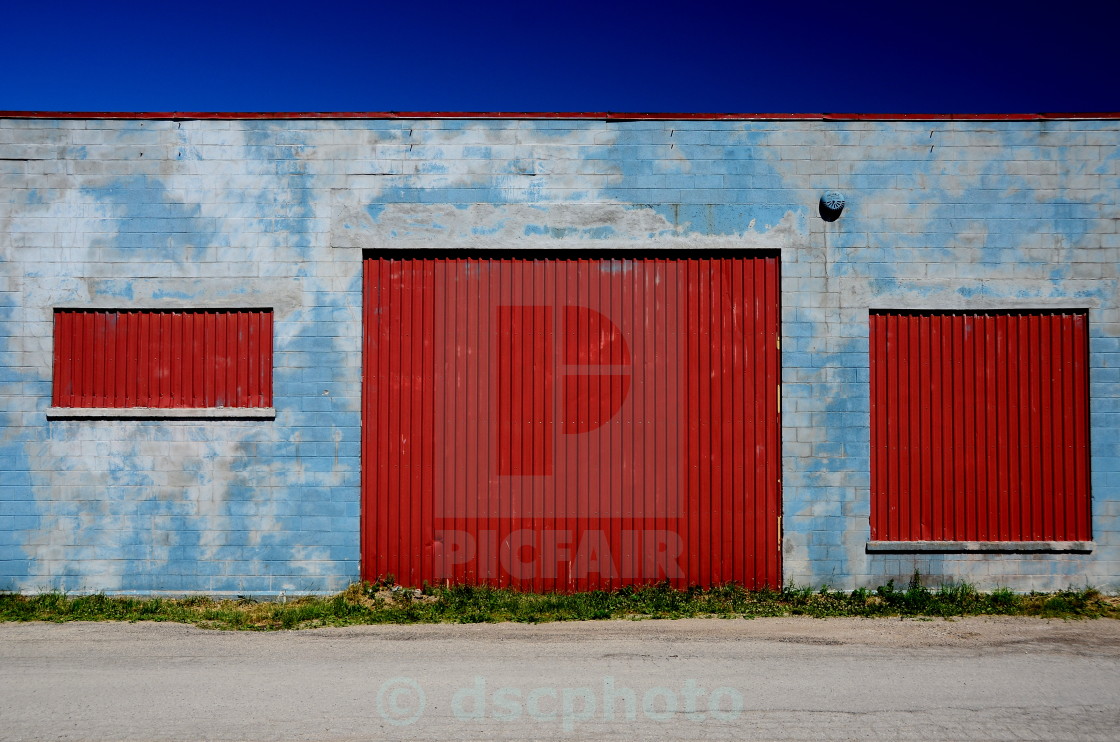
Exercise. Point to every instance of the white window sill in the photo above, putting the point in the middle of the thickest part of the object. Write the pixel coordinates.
(969, 547)
(161, 413)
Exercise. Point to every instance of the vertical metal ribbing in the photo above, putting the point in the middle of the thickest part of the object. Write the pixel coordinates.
(979, 426)
(163, 359)
(571, 423)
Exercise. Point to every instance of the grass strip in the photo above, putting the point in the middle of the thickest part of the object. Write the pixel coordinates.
(380, 603)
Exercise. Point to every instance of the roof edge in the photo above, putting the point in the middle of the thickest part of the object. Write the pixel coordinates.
(599, 115)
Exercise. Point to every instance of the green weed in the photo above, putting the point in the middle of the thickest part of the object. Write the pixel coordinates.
(386, 602)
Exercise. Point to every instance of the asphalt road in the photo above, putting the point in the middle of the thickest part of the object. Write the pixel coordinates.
(770, 679)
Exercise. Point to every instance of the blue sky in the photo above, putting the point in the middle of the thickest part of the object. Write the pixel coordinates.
(804, 57)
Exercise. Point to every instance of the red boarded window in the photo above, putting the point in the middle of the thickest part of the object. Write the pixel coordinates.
(163, 359)
(979, 426)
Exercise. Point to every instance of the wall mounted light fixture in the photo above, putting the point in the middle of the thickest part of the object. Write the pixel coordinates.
(832, 203)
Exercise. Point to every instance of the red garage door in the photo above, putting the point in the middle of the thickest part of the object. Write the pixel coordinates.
(571, 423)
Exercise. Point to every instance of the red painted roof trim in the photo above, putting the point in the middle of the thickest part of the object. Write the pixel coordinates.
(603, 116)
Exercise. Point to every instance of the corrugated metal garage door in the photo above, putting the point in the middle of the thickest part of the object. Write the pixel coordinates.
(573, 422)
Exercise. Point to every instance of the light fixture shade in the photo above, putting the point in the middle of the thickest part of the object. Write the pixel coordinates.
(832, 203)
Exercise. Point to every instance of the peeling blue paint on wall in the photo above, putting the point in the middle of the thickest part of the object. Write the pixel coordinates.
(275, 214)
(19, 513)
(148, 220)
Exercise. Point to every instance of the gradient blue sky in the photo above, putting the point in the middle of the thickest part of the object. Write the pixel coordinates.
(804, 57)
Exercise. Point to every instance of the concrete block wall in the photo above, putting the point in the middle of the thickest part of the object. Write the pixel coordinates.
(956, 215)
(275, 213)
(123, 215)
